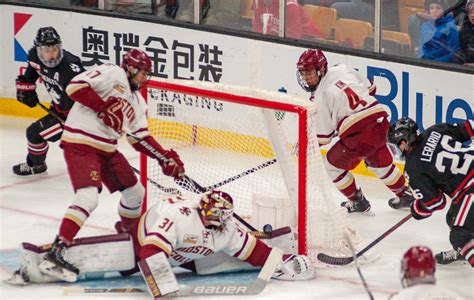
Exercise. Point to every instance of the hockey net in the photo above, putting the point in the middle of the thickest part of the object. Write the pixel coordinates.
(266, 137)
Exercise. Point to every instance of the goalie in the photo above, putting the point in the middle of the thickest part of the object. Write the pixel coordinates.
(178, 232)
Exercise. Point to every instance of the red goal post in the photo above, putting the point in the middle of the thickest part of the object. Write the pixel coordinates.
(221, 130)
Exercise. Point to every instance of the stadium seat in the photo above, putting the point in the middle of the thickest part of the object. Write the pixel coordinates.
(407, 8)
(352, 32)
(323, 17)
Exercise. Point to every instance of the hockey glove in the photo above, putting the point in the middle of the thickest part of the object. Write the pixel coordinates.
(295, 267)
(418, 211)
(173, 166)
(111, 113)
(26, 91)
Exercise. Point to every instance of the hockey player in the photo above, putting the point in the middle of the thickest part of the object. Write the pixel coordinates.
(56, 67)
(438, 165)
(176, 232)
(347, 109)
(108, 102)
(418, 279)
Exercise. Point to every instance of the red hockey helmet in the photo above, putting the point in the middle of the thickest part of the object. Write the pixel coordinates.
(418, 266)
(311, 59)
(216, 207)
(139, 60)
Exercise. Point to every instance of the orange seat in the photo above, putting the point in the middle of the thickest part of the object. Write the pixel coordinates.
(354, 31)
(323, 17)
(247, 9)
(401, 37)
(407, 8)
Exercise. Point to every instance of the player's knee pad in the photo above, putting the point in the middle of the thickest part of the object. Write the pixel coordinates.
(87, 198)
(332, 170)
(460, 236)
(131, 201)
(33, 134)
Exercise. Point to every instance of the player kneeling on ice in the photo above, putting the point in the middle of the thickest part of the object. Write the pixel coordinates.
(418, 268)
(176, 232)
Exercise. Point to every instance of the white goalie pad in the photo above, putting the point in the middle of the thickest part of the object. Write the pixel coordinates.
(93, 256)
(158, 275)
(220, 262)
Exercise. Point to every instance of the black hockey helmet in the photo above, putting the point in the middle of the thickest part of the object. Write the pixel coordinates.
(404, 129)
(46, 42)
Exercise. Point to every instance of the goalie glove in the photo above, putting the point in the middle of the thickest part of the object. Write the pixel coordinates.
(295, 268)
(26, 91)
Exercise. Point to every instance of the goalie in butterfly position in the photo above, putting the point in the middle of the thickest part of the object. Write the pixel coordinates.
(176, 232)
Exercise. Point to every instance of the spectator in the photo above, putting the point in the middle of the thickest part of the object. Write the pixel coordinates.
(298, 24)
(415, 21)
(439, 40)
(466, 36)
(226, 13)
(364, 10)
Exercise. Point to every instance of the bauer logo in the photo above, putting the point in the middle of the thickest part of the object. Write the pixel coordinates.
(19, 21)
(219, 290)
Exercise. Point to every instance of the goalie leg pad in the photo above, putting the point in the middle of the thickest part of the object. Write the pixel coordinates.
(158, 275)
(93, 256)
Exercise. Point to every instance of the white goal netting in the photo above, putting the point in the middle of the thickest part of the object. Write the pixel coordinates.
(265, 142)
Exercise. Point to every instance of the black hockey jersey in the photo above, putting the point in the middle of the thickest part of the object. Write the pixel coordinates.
(55, 79)
(440, 164)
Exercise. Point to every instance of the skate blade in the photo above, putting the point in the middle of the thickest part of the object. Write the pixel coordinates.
(53, 270)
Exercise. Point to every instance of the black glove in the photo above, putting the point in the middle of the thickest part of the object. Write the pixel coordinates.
(418, 211)
(26, 91)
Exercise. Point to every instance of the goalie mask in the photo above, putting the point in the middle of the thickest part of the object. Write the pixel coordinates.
(137, 64)
(311, 68)
(418, 266)
(48, 46)
(405, 129)
(215, 208)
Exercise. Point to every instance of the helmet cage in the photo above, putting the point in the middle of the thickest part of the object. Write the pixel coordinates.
(216, 208)
(311, 59)
(47, 38)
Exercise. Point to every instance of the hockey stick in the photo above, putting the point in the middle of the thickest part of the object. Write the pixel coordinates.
(49, 111)
(254, 288)
(364, 283)
(177, 192)
(341, 261)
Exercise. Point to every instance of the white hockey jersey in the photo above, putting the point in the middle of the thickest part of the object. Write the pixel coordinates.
(342, 100)
(83, 126)
(425, 292)
(174, 226)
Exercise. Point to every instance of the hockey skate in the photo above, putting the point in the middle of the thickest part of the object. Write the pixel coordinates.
(24, 169)
(402, 202)
(56, 266)
(359, 205)
(447, 257)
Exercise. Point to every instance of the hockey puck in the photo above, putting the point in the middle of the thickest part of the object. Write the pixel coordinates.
(267, 228)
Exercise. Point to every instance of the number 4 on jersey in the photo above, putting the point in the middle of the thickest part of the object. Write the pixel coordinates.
(352, 97)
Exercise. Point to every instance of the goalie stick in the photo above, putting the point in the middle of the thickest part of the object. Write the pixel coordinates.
(255, 232)
(341, 261)
(254, 288)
